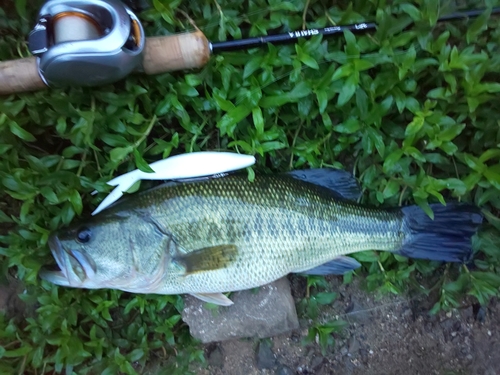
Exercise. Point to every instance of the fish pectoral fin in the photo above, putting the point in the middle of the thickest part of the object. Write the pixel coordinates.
(215, 298)
(340, 182)
(207, 259)
(338, 266)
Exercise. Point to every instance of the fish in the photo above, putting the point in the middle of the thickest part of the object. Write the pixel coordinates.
(210, 236)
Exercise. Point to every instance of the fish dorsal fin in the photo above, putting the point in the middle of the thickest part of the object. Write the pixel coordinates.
(207, 259)
(338, 266)
(215, 298)
(340, 182)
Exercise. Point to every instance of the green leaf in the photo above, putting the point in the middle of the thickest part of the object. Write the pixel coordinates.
(21, 8)
(348, 90)
(492, 174)
(414, 126)
(305, 58)
(451, 133)
(322, 97)
(479, 25)
(301, 90)
(20, 132)
(114, 140)
(141, 163)
(412, 11)
(251, 66)
(273, 145)
(391, 189)
(437, 93)
(119, 153)
(20, 352)
(489, 154)
(258, 120)
(136, 355)
(361, 65)
(352, 48)
(343, 71)
(366, 256)
(228, 122)
(193, 80)
(325, 298)
(432, 11)
(351, 125)
(76, 201)
(474, 163)
(391, 161)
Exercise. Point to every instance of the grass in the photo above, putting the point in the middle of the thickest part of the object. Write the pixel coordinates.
(413, 112)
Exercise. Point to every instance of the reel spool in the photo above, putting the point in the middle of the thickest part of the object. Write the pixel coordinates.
(86, 42)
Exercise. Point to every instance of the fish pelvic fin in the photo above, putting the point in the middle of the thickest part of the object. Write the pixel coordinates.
(215, 298)
(446, 238)
(337, 266)
(207, 259)
(340, 182)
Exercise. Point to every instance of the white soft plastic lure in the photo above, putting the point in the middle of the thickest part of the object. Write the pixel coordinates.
(194, 164)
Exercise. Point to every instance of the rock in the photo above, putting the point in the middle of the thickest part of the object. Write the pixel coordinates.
(268, 312)
(265, 357)
(284, 370)
(364, 355)
(215, 357)
(357, 312)
(479, 312)
(353, 345)
(449, 327)
(295, 337)
(317, 363)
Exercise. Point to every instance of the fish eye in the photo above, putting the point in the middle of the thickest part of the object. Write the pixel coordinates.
(84, 235)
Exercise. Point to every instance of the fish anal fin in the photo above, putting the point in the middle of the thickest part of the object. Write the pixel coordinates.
(338, 181)
(337, 266)
(215, 298)
(207, 259)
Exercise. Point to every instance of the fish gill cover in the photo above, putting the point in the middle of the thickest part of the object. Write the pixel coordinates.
(413, 112)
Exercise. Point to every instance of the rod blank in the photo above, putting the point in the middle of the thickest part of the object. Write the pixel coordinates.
(291, 36)
(288, 37)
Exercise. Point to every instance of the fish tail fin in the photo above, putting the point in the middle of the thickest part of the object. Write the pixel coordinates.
(446, 238)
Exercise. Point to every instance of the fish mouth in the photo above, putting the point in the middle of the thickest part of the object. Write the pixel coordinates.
(66, 275)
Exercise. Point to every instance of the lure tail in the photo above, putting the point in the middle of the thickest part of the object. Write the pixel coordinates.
(446, 238)
(183, 166)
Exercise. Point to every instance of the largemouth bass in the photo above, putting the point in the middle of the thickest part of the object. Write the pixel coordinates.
(209, 236)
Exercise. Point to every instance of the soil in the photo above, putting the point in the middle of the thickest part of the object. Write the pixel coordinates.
(388, 335)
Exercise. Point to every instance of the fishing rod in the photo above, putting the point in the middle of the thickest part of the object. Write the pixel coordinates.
(96, 42)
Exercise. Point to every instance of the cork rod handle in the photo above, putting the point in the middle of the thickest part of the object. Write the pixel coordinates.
(20, 76)
(177, 52)
(161, 54)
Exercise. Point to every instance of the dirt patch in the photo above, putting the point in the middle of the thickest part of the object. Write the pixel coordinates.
(10, 303)
(10, 207)
(391, 335)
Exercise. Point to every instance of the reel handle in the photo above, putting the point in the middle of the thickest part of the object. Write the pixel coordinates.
(161, 54)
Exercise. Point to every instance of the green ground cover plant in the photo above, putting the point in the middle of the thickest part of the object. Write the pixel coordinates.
(412, 111)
